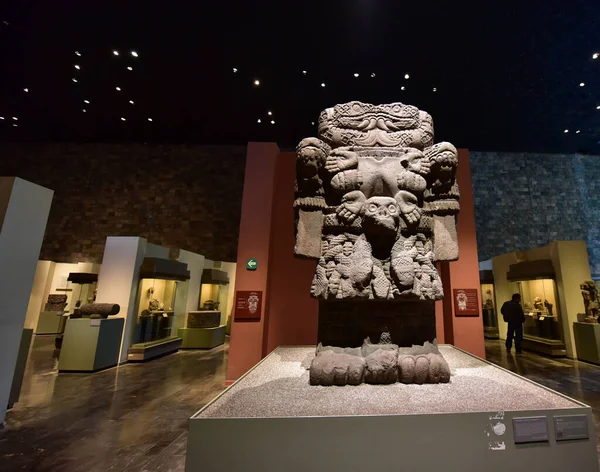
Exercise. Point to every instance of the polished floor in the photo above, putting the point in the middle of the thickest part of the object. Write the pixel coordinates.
(132, 418)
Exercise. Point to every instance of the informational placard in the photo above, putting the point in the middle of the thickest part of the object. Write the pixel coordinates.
(530, 430)
(94, 322)
(466, 302)
(569, 427)
(248, 305)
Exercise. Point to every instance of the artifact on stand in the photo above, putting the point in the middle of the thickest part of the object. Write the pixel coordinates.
(56, 302)
(589, 291)
(375, 206)
(99, 310)
(154, 305)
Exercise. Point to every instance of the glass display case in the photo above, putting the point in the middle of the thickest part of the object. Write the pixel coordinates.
(539, 298)
(155, 311)
(488, 309)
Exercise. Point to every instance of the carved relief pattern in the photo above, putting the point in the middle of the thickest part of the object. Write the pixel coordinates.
(373, 197)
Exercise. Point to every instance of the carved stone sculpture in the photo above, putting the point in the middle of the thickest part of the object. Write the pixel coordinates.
(56, 302)
(99, 310)
(375, 206)
(590, 300)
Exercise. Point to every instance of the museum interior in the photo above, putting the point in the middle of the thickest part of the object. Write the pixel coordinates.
(257, 252)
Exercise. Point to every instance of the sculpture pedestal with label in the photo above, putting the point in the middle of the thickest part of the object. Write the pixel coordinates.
(486, 418)
(90, 345)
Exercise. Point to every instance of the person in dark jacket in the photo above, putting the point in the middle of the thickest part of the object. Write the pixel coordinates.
(512, 312)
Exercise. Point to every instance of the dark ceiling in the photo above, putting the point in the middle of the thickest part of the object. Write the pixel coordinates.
(506, 74)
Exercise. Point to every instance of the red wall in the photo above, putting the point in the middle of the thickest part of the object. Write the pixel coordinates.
(292, 314)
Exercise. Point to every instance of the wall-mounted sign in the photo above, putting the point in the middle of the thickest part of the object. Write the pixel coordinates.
(248, 304)
(466, 302)
(251, 264)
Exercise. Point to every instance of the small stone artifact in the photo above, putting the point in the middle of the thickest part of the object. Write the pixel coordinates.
(590, 300)
(375, 206)
(154, 305)
(203, 319)
(56, 302)
(99, 310)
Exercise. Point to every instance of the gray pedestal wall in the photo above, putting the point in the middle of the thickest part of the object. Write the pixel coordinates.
(24, 209)
(272, 420)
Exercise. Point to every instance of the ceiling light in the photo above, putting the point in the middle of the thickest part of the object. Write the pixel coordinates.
(598, 107)
(257, 82)
(403, 88)
(86, 101)
(269, 113)
(566, 131)
(312, 123)
(258, 121)
(118, 89)
(578, 131)
(123, 119)
(83, 110)
(129, 68)
(582, 84)
(15, 125)
(272, 122)
(322, 84)
(25, 89)
(77, 53)
(77, 66)
(1, 117)
(406, 76)
(149, 119)
(356, 74)
(434, 89)
(134, 54)
(234, 70)
(131, 101)
(304, 72)
(15, 118)
(372, 74)
(74, 80)
(116, 53)
(596, 55)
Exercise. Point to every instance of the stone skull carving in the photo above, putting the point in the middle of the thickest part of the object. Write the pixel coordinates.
(375, 203)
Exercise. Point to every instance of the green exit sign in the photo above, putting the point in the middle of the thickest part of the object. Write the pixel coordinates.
(251, 264)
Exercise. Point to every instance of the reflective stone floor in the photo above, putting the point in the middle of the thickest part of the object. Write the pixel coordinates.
(134, 418)
(578, 380)
(131, 418)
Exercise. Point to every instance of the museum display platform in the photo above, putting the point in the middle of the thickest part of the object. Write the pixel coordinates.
(201, 338)
(587, 340)
(90, 345)
(50, 322)
(486, 418)
(146, 351)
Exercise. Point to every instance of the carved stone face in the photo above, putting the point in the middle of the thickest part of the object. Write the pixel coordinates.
(381, 214)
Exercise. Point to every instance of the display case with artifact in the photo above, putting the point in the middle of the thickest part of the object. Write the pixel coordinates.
(375, 208)
(542, 330)
(488, 302)
(153, 334)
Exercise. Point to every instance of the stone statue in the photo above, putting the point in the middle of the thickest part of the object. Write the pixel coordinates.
(375, 206)
(590, 300)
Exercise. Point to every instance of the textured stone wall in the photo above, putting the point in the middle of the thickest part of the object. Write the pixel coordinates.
(187, 197)
(526, 200)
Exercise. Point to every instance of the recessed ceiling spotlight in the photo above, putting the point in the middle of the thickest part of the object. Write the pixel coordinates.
(578, 131)
(131, 101)
(74, 79)
(134, 54)
(83, 110)
(272, 122)
(234, 70)
(406, 76)
(129, 68)
(270, 113)
(15, 118)
(372, 74)
(434, 89)
(86, 101)
(356, 74)
(1, 117)
(322, 84)
(123, 119)
(149, 119)
(118, 89)
(403, 88)
(256, 82)
(312, 123)
(77, 66)
(15, 125)
(304, 72)
(596, 55)
(25, 90)
(77, 53)
(566, 131)
(582, 84)
(115, 52)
